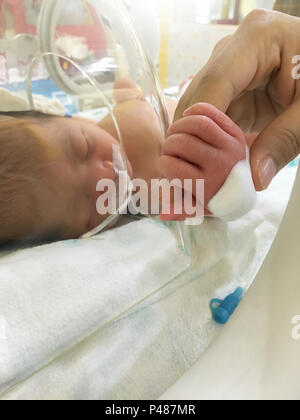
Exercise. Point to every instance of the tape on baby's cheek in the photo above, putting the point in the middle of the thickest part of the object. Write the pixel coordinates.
(123, 181)
(237, 196)
(118, 161)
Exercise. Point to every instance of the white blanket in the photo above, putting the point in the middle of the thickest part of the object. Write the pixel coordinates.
(57, 302)
(15, 102)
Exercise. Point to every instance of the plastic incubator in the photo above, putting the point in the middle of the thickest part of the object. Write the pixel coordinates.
(80, 58)
(84, 59)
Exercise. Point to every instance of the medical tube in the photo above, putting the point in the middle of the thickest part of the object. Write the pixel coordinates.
(53, 64)
(118, 156)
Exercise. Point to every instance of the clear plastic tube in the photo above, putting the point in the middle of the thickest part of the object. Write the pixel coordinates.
(51, 60)
(119, 157)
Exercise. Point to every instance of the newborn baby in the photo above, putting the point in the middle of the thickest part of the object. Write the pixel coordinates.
(50, 166)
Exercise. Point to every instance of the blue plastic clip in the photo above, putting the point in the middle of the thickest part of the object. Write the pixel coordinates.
(223, 309)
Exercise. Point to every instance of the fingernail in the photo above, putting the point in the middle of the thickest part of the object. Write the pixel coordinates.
(267, 170)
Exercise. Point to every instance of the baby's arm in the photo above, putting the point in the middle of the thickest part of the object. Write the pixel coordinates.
(206, 144)
(140, 128)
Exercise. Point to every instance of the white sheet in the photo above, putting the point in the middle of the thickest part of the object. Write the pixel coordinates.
(55, 301)
(263, 363)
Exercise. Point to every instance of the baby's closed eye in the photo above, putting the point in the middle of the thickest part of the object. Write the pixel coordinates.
(80, 146)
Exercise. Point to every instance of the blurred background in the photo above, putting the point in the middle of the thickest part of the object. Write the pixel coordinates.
(178, 35)
(191, 28)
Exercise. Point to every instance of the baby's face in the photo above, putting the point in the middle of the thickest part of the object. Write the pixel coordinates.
(80, 155)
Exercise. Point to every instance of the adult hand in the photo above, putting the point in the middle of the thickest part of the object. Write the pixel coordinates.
(253, 76)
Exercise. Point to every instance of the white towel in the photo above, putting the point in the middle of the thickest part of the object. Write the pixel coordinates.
(53, 296)
(56, 299)
(16, 102)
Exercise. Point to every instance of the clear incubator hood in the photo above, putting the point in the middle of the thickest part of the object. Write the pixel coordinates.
(81, 58)
(78, 61)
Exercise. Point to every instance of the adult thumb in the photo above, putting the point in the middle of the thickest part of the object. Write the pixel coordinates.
(276, 146)
(206, 88)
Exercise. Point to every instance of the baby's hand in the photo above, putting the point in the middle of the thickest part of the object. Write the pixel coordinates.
(204, 144)
(126, 90)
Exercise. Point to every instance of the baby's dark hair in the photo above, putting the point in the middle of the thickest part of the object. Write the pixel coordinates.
(21, 154)
(25, 115)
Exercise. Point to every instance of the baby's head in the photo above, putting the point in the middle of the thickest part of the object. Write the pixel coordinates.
(49, 169)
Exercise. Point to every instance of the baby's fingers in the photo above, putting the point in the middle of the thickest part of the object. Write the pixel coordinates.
(191, 149)
(204, 128)
(221, 119)
(176, 169)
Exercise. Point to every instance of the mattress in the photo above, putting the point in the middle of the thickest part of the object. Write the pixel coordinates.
(120, 316)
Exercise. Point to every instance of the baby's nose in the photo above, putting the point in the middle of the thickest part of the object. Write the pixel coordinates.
(101, 171)
(109, 166)
(106, 170)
